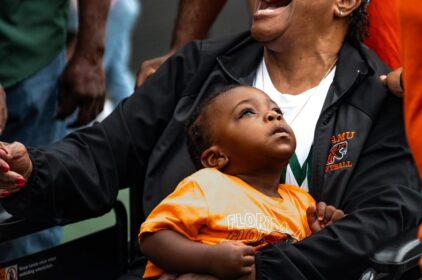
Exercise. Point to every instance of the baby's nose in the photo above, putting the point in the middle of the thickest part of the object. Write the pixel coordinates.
(272, 115)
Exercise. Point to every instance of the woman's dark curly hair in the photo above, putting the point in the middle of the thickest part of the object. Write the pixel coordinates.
(358, 24)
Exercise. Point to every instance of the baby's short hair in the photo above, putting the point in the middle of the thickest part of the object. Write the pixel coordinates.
(197, 136)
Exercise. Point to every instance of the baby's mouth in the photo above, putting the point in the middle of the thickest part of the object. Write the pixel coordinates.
(272, 4)
(280, 129)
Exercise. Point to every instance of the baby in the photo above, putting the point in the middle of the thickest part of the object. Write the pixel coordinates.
(218, 217)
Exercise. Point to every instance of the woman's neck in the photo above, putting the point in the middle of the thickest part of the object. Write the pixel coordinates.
(297, 67)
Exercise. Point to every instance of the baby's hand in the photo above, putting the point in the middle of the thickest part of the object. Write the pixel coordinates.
(393, 81)
(231, 259)
(321, 215)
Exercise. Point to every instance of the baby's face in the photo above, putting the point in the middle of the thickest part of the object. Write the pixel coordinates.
(249, 126)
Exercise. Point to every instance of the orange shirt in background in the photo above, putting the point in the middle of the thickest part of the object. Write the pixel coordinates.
(384, 31)
(411, 41)
(420, 238)
(211, 207)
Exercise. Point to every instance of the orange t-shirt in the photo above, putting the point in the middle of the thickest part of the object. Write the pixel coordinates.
(211, 207)
(384, 31)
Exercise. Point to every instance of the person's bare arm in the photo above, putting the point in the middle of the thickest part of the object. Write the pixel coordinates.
(194, 20)
(82, 84)
(192, 276)
(176, 254)
(3, 109)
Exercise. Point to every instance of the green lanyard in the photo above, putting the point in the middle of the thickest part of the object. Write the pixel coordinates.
(299, 172)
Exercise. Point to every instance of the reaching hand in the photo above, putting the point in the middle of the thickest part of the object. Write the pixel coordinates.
(231, 260)
(82, 85)
(393, 81)
(3, 110)
(149, 67)
(15, 166)
(319, 216)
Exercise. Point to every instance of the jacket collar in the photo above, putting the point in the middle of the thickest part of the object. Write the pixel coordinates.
(351, 66)
(241, 61)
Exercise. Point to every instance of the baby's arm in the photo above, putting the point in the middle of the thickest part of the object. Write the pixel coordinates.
(176, 254)
(321, 215)
(191, 276)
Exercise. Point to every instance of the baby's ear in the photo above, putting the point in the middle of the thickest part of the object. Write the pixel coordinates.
(214, 157)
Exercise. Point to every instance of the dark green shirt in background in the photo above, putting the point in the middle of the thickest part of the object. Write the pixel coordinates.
(32, 33)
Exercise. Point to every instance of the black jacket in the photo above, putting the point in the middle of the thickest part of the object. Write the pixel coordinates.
(142, 143)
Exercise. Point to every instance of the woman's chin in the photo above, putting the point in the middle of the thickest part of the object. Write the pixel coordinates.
(263, 35)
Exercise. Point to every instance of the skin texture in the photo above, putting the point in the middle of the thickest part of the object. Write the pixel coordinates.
(227, 260)
(16, 167)
(393, 82)
(297, 63)
(193, 22)
(190, 11)
(3, 110)
(248, 120)
(82, 86)
(300, 63)
(82, 83)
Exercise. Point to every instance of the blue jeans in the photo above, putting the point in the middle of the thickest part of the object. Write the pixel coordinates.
(120, 22)
(32, 105)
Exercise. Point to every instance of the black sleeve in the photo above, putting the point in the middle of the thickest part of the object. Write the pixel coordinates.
(79, 176)
(382, 200)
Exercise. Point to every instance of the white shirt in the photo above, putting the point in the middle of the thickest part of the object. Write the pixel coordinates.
(300, 111)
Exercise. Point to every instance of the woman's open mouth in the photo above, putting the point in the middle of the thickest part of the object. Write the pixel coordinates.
(272, 4)
(270, 7)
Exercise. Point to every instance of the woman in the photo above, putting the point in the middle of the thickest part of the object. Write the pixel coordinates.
(352, 154)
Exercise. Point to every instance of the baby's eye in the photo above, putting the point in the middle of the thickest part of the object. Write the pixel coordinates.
(246, 113)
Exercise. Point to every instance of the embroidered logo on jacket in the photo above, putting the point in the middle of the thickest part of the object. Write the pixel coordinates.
(339, 151)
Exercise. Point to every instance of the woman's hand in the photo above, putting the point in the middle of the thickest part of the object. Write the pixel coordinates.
(149, 67)
(82, 85)
(15, 167)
